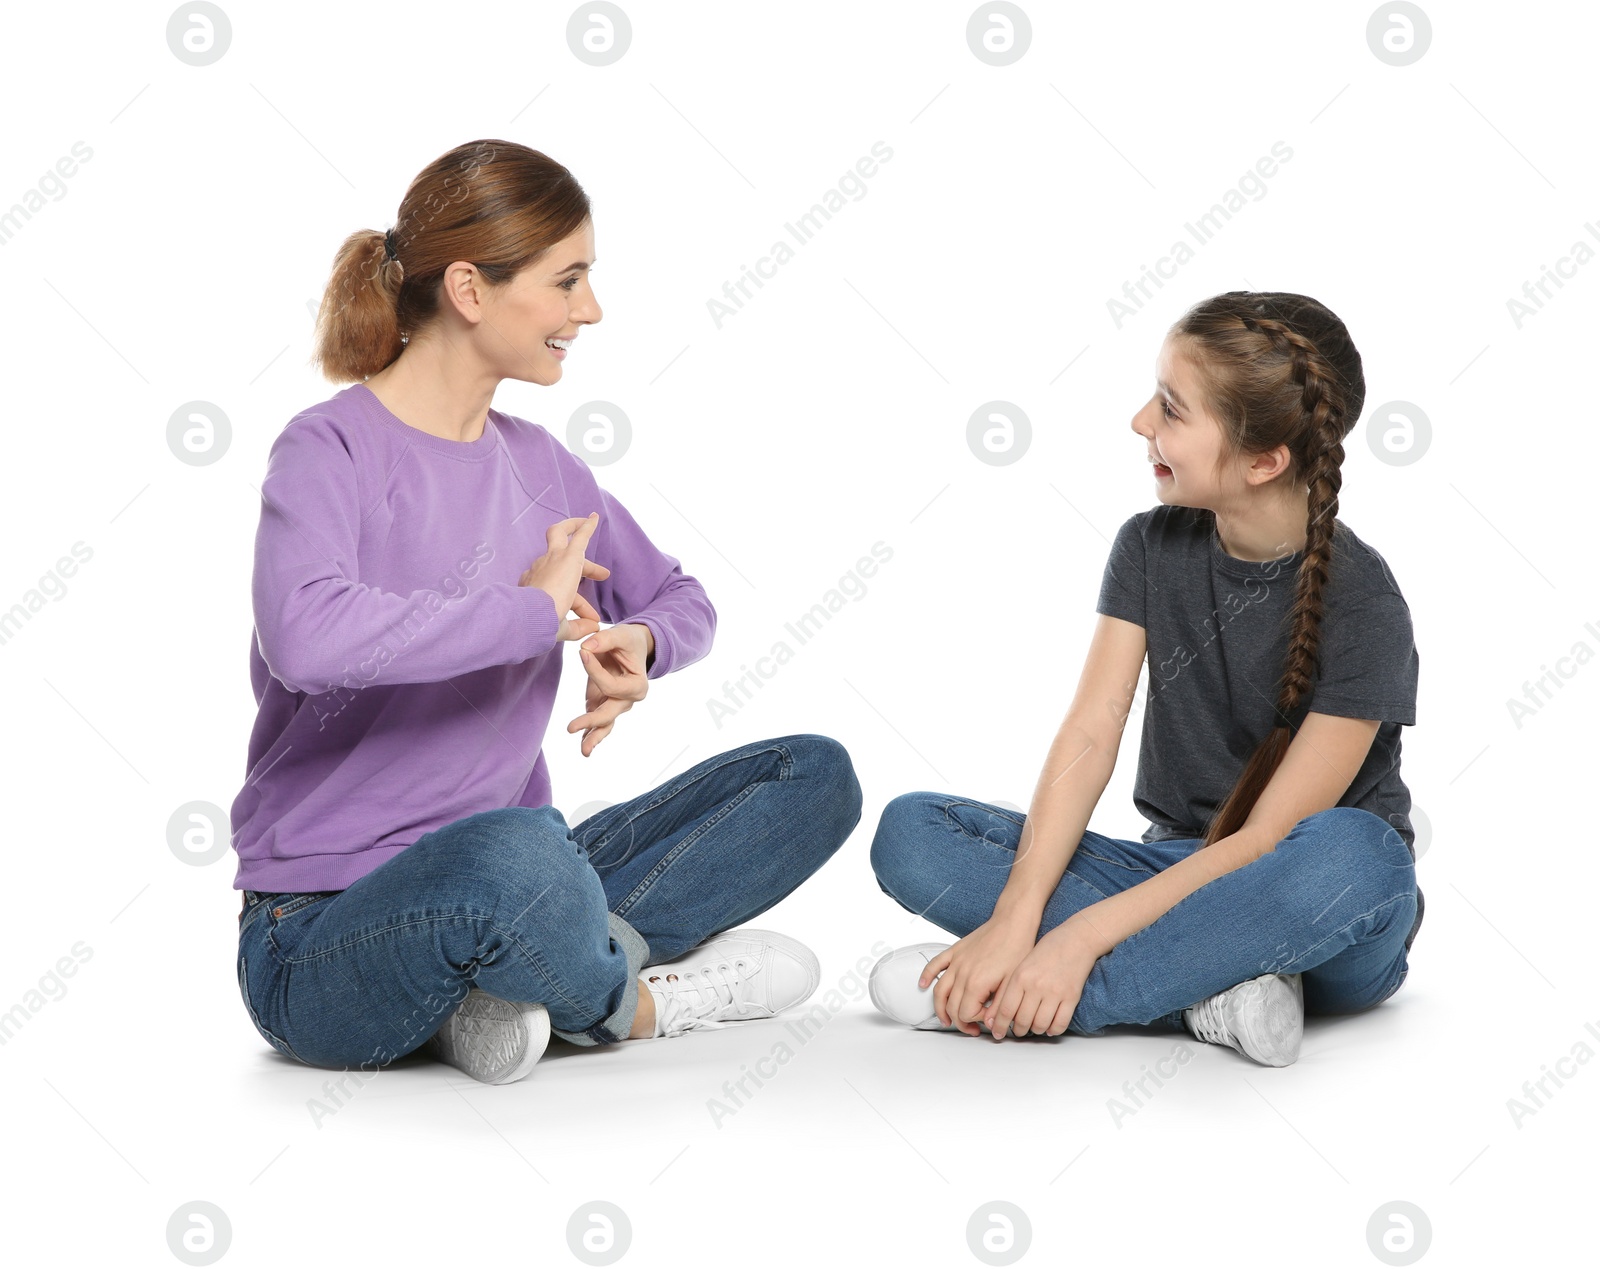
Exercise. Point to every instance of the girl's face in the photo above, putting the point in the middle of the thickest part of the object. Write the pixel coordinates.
(549, 300)
(1182, 441)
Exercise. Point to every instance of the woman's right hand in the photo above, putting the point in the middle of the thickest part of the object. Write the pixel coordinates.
(559, 570)
(974, 968)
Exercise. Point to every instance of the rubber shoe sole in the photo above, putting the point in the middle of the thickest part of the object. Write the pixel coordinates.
(1263, 1018)
(495, 1041)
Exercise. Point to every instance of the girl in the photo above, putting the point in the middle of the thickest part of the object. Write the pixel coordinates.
(405, 877)
(1276, 877)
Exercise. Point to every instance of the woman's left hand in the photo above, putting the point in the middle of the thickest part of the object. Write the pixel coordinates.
(1041, 994)
(615, 660)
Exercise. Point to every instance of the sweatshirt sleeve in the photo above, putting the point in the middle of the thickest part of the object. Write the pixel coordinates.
(646, 586)
(318, 626)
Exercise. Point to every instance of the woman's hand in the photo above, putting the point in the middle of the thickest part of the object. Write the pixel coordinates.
(615, 661)
(974, 968)
(1042, 992)
(559, 570)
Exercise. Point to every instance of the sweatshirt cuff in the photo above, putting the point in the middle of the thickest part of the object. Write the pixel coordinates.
(541, 627)
(661, 663)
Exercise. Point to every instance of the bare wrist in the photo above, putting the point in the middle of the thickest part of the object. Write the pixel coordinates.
(1014, 907)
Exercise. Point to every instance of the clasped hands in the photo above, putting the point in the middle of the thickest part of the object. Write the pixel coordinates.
(615, 659)
(1000, 977)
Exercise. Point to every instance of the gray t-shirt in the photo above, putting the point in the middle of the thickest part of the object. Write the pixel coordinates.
(1216, 634)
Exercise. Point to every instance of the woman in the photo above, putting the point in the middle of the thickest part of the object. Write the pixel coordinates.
(405, 877)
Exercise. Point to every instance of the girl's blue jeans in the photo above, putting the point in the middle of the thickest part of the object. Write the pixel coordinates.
(1335, 901)
(518, 904)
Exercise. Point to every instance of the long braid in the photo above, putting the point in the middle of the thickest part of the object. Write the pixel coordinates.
(1323, 400)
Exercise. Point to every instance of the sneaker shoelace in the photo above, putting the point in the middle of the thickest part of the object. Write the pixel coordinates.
(691, 1001)
(1206, 1021)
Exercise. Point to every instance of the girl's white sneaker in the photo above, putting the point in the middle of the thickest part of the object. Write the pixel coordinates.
(1263, 1018)
(892, 986)
(493, 1040)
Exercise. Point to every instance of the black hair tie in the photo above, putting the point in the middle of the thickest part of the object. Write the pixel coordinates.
(389, 252)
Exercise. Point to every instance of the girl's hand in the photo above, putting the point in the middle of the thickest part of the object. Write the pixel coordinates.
(1041, 994)
(615, 661)
(973, 968)
(559, 570)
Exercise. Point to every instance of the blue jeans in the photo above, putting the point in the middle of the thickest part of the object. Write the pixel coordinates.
(516, 903)
(1336, 901)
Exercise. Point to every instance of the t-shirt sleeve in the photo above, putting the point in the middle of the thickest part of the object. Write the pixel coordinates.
(1122, 585)
(319, 626)
(1369, 662)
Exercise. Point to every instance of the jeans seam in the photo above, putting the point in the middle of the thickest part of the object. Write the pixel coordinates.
(965, 831)
(1116, 863)
(255, 1018)
(1360, 917)
(667, 860)
(670, 793)
(554, 981)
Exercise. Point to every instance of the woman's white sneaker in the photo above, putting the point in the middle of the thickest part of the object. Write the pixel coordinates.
(892, 986)
(493, 1040)
(737, 976)
(1263, 1018)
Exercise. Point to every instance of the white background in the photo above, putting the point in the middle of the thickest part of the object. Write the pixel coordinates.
(769, 455)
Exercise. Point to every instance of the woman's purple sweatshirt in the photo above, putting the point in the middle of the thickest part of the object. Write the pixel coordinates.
(403, 678)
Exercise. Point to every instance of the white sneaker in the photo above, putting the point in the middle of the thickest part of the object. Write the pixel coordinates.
(736, 976)
(893, 988)
(1263, 1018)
(493, 1040)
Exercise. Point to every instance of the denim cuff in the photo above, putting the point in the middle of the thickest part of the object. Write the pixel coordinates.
(615, 1029)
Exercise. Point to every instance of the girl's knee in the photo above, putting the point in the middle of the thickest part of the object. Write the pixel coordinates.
(903, 831)
(1354, 842)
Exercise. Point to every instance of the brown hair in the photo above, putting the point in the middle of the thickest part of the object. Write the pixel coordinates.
(494, 203)
(1277, 368)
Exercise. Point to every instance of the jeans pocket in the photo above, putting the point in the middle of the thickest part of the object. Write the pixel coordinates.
(289, 915)
(276, 1041)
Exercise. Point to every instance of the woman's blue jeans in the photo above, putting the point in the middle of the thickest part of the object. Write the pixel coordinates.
(514, 902)
(1336, 901)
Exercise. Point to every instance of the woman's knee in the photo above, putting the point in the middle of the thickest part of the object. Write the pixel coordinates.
(510, 854)
(826, 761)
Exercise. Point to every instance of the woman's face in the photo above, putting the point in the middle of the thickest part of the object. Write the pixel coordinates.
(551, 299)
